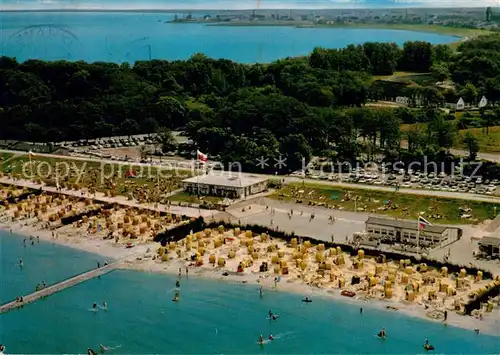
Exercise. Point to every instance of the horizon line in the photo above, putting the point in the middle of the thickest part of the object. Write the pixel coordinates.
(215, 9)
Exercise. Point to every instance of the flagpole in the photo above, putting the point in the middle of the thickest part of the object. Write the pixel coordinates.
(418, 236)
(197, 176)
(31, 165)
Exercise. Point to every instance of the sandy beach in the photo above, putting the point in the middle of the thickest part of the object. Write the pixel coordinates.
(242, 256)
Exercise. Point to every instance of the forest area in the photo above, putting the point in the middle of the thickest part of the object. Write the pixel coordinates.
(294, 107)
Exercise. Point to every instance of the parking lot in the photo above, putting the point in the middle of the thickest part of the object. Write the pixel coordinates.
(413, 179)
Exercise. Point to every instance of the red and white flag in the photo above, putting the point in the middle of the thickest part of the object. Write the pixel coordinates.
(422, 222)
(201, 156)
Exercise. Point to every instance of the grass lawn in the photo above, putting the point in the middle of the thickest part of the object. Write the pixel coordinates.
(186, 197)
(92, 174)
(438, 210)
(488, 143)
(406, 77)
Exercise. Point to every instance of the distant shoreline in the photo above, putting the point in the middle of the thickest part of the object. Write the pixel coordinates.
(459, 32)
(451, 31)
(234, 10)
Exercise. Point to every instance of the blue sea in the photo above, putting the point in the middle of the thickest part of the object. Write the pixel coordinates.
(212, 317)
(128, 37)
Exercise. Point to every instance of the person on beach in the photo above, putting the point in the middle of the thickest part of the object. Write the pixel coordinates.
(98, 264)
(180, 272)
(361, 311)
(187, 271)
(37, 239)
(24, 241)
(261, 291)
(44, 284)
(445, 316)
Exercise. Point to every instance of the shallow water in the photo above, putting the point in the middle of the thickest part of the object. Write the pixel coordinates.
(211, 317)
(128, 37)
(41, 262)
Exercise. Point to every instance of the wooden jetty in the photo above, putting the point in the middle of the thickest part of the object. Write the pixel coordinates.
(49, 290)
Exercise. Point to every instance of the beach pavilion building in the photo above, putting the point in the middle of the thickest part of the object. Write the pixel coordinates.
(490, 246)
(399, 230)
(225, 184)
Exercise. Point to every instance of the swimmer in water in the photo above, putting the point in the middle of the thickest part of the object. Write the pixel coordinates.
(94, 306)
(105, 305)
(270, 314)
(21, 262)
(381, 334)
(261, 339)
(271, 337)
(103, 348)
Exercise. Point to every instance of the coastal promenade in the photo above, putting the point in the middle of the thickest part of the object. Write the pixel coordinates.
(49, 290)
(286, 179)
(121, 200)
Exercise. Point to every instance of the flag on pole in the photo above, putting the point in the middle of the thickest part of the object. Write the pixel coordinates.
(422, 222)
(201, 156)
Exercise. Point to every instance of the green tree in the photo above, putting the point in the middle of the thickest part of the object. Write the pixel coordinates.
(472, 144)
(417, 56)
(166, 140)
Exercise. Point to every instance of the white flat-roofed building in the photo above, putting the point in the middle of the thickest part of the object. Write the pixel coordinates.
(400, 230)
(225, 184)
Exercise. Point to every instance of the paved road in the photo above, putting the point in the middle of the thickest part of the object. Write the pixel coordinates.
(289, 179)
(494, 157)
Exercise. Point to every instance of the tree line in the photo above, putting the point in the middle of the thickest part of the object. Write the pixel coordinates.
(295, 107)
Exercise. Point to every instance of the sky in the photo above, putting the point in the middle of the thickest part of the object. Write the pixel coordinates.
(236, 4)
